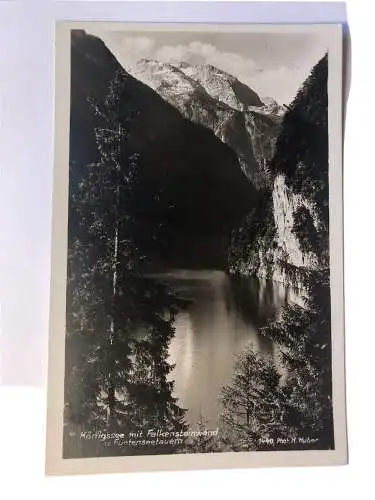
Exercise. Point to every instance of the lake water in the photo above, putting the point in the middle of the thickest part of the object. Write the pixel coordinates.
(224, 316)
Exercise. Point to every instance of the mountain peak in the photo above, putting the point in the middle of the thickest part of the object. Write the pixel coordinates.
(165, 78)
(273, 107)
(209, 96)
(183, 77)
(221, 85)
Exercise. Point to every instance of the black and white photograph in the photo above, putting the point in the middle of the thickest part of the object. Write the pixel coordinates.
(196, 298)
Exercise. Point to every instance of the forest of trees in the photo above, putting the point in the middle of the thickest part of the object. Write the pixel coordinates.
(119, 321)
(292, 398)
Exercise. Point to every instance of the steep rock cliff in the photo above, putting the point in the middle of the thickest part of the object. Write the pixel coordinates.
(278, 249)
(287, 236)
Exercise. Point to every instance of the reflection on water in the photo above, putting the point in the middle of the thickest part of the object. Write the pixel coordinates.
(224, 316)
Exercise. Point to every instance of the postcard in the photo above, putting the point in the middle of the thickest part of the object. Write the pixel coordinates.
(197, 268)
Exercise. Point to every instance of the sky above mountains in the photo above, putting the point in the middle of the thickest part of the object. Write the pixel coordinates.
(272, 64)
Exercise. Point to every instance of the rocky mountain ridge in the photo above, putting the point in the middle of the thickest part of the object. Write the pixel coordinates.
(217, 100)
(288, 216)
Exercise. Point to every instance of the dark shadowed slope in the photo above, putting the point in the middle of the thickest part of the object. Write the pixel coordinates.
(191, 184)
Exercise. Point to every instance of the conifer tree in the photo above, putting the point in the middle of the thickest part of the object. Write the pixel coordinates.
(203, 441)
(119, 322)
(253, 403)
